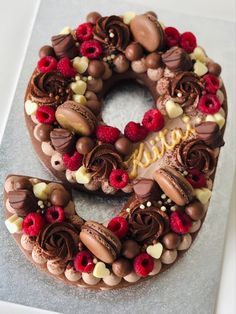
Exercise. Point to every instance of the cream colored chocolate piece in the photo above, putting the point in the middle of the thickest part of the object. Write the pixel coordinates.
(173, 109)
(155, 250)
(80, 99)
(128, 17)
(218, 118)
(80, 64)
(203, 195)
(30, 107)
(41, 191)
(14, 223)
(79, 87)
(82, 175)
(199, 54)
(200, 68)
(100, 270)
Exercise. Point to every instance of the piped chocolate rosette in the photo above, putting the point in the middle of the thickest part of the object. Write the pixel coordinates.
(63, 101)
(167, 161)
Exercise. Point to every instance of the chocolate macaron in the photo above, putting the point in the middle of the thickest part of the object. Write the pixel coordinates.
(102, 242)
(174, 185)
(76, 118)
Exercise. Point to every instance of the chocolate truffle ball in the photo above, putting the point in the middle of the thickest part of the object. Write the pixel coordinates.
(60, 197)
(42, 132)
(96, 68)
(95, 106)
(84, 145)
(22, 184)
(214, 68)
(121, 267)
(130, 249)
(153, 60)
(171, 240)
(195, 210)
(134, 52)
(121, 64)
(46, 51)
(93, 17)
(123, 146)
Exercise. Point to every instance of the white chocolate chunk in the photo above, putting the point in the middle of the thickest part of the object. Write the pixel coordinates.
(30, 107)
(81, 64)
(220, 96)
(82, 176)
(79, 87)
(80, 99)
(100, 270)
(65, 31)
(200, 68)
(199, 54)
(155, 250)
(41, 191)
(14, 223)
(128, 17)
(217, 117)
(173, 109)
(203, 195)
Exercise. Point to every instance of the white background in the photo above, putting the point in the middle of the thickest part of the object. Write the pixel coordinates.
(16, 21)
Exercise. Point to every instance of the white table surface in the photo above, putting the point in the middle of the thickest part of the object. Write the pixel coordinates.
(16, 21)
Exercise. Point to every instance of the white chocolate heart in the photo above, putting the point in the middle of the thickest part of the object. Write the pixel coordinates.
(203, 195)
(80, 99)
(173, 109)
(217, 117)
(80, 64)
(14, 223)
(155, 250)
(128, 17)
(200, 68)
(30, 107)
(41, 191)
(65, 31)
(100, 270)
(199, 54)
(79, 87)
(82, 176)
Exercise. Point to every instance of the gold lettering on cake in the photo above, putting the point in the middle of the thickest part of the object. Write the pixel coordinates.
(143, 156)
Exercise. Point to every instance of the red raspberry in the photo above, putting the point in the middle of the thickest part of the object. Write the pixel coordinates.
(172, 36)
(65, 67)
(84, 32)
(188, 42)
(91, 49)
(107, 134)
(119, 178)
(143, 264)
(73, 161)
(33, 224)
(83, 262)
(196, 178)
(55, 214)
(47, 64)
(212, 83)
(180, 222)
(153, 120)
(45, 114)
(209, 104)
(119, 226)
(135, 131)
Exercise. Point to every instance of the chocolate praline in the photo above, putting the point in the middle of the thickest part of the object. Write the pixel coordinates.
(42, 132)
(153, 60)
(22, 184)
(171, 240)
(95, 106)
(96, 68)
(214, 68)
(130, 249)
(195, 210)
(123, 146)
(121, 267)
(84, 145)
(46, 51)
(134, 51)
(60, 197)
(93, 17)
(121, 64)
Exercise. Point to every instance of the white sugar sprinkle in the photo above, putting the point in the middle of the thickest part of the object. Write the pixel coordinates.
(163, 196)
(163, 208)
(142, 206)
(149, 204)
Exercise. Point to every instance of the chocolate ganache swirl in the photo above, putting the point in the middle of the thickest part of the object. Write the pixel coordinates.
(49, 88)
(102, 160)
(58, 241)
(196, 154)
(148, 224)
(185, 88)
(112, 32)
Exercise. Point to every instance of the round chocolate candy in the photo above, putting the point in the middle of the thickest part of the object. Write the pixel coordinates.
(123, 146)
(171, 240)
(60, 197)
(130, 249)
(96, 68)
(134, 52)
(195, 210)
(93, 17)
(46, 51)
(214, 68)
(121, 267)
(22, 183)
(121, 64)
(84, 145)
(153, 60)
(42, 132)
